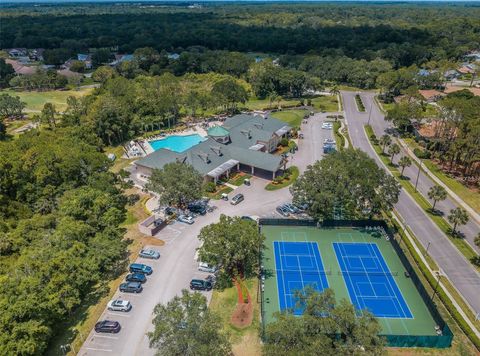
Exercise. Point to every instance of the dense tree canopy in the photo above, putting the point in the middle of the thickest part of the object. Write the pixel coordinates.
(60, 213)
(185, 326)
(314, 332)
(348, 182)
(176, 183)
(232, 244)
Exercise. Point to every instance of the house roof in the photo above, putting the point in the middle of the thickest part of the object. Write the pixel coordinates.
(465, 69)
(218, 131)
(20, 68)
(209, 155)
(429, 94)
(452, 89)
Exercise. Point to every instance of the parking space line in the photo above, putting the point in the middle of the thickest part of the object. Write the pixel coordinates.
(106, 337)
(93, 349)
(119, 314)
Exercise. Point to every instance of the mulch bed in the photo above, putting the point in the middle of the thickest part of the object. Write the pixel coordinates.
(243, 314)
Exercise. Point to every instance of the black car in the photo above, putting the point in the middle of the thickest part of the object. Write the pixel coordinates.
(136, 277)
(131, 287)
(200, 284)
(107, 326)
(197, 208)
(283, 211)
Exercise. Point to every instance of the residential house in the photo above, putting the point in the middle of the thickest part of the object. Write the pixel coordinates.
(21, 69)
(85, 58)
(431, 95)
(120, 58)
(173, 56)
(18, 52)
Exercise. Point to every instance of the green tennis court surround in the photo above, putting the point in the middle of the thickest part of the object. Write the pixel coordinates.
(362, 264)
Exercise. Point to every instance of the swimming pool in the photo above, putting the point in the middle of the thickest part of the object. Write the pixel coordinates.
(177, 143)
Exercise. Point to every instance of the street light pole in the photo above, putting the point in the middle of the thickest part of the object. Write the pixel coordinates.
(436, 286)
(428, 245)
(418, 175)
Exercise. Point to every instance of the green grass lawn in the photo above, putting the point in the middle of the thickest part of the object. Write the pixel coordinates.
(328, 103)
(244, 341)
(291, 117)
(286, 182)
(36, 99)
(264, 104)
(239, 178)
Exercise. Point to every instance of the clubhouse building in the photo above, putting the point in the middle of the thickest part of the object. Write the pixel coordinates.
(244, 143)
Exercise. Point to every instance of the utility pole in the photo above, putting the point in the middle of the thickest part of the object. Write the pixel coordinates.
(418, 175)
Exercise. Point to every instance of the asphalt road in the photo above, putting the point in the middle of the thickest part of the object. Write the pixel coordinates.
(176, 266)
(380, 126)
(453, 264)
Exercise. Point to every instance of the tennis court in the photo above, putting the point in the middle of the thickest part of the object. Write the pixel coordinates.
(298, 265)
(359, 265)
(369, 281)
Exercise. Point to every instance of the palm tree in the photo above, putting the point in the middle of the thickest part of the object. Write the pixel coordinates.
(437, 193)
(334, 90)
(458, 216)
(393, 150)
(404, 162)
(385, 140)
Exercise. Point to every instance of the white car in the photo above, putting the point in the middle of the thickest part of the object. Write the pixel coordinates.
(187, 219)
(205, 267)
(150, 253)
(119, 305)
(327, 125)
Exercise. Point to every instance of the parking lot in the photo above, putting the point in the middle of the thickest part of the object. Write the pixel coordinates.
(177, 265)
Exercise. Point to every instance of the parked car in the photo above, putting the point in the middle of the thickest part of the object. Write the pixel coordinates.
(131, 287)
(205, 267)
(197, 208)
(211, 278)
(200, 284)
(107, 326)
(291, 208)
(237, 199)
(186, 219)
(150, 253)
(283, 211)
(327, 125)
(119, 305)
(140, 268)
(136, 277)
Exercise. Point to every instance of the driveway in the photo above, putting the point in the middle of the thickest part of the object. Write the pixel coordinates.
(459, 271)
(176, 266)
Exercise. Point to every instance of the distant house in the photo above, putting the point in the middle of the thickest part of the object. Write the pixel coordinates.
(120, 58)
(36, 54)
(474, 56)
(68, 73)
(431, 95)
(173, 56)
(244, 142)
(85, 58)
(452, 89)
(451, 74)
(17, 52)
(423, 73)
(467, 69)
(21, 69)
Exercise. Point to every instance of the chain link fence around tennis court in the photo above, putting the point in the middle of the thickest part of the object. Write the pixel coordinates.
(444, 336)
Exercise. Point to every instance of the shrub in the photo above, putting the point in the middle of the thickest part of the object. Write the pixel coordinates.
(132, 199)
(284, 142)
(210, 187)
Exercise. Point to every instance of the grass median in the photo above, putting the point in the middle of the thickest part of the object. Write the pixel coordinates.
(284, 180)
(463, 247)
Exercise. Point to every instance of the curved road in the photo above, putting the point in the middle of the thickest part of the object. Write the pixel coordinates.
(453, 264)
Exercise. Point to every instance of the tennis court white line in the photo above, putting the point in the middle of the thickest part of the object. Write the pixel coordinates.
(338, 260)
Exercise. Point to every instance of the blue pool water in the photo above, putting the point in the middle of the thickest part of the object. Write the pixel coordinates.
(177, 143)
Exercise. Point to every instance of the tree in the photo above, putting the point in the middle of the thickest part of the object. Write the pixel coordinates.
(233, 244)
(393, 150)
(334, 90)
(56, 56)
(48, 115)
(458, 216)
(101, 56)
(6, 73)
(403, 113)
(385, 140)
(404, 162)
(347, 180)
(437, 193)
(78, 66)
(185, 326)
(11, 107)
(177, 183)
(229, 92)
(315, 331)
(103, 73)
(146, 57)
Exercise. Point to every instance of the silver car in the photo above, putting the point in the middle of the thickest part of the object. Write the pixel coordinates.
(119, 305)
(186, 219)
(150, 253)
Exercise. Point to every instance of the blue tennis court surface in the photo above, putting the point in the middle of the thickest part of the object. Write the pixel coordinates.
(298, 264)
(369, 281)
